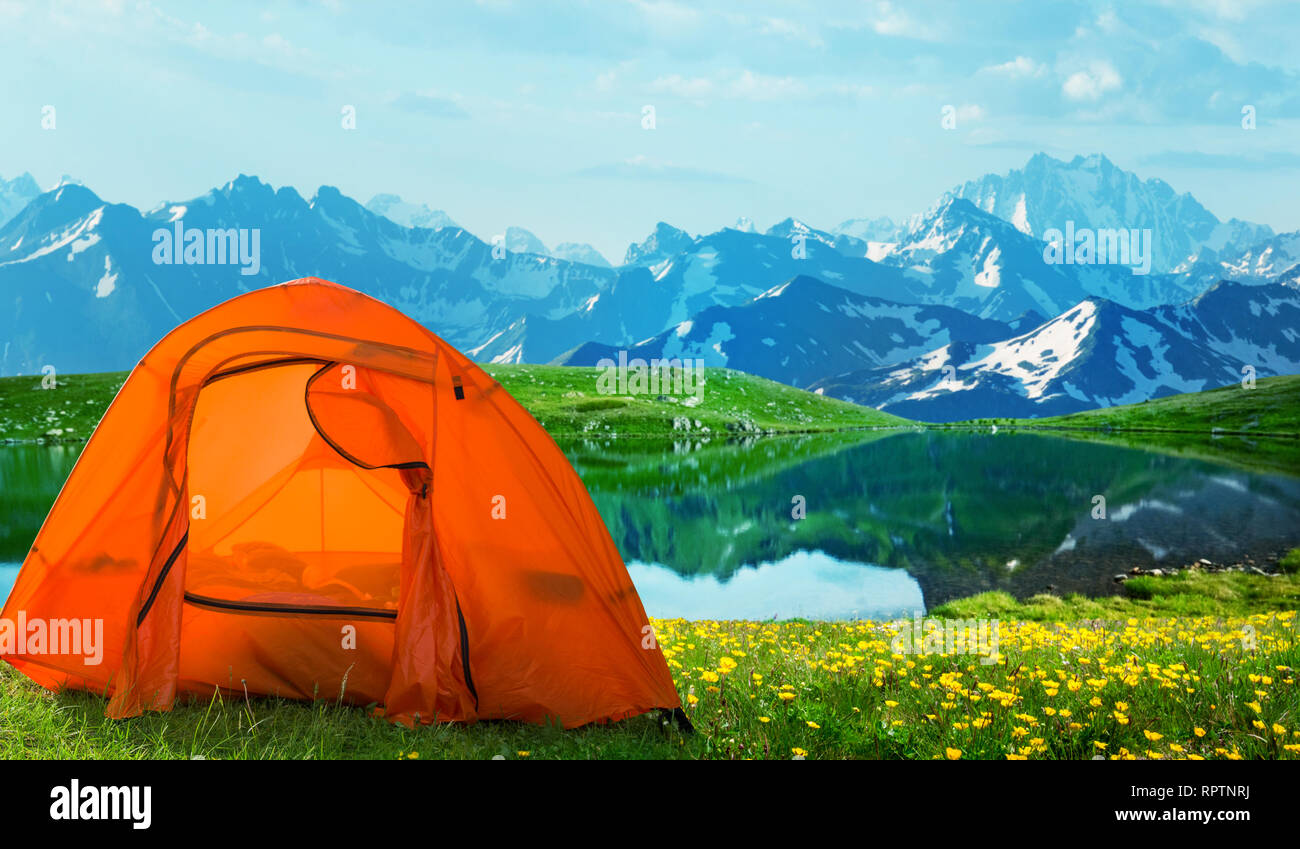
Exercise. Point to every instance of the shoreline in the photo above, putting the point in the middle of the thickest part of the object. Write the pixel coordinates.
(739, 404)
(1157, 590)
(760, 432)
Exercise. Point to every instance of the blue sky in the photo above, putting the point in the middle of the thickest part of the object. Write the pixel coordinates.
(531, 113)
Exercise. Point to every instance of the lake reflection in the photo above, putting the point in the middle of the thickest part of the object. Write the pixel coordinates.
(8, 573)
(30, 479)
(896, 521)
(959, 512)
(808, 584)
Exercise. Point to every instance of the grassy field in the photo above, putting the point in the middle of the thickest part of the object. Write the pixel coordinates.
(1273, 454)
(1125, 678)
(565, 400)
(1189, 594)
(67, 412)
(1272, 407)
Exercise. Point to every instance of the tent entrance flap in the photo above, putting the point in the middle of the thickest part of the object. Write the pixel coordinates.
(277, 515)
(284, 526)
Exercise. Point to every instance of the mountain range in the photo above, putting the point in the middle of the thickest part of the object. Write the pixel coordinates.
(868, 310)
(822, 330)
(1095, 354)
(71, 260)
(1093, 192)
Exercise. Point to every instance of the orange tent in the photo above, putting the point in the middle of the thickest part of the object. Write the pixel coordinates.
(304, 493)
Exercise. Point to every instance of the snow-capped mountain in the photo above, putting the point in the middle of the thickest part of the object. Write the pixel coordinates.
(802, 330)
(881, 235)
(522, 241)
(15, 194)
(1095, 354)
(868, 310)
(845, 244)
(1257, 325)
(71, 260)
(726, 268)
(1093, 192)
(607, 316)
(580, 252)
(516, 239)
(1277, 259)
(880, 229)
(665, 241)
(398, 211)
(973, 260)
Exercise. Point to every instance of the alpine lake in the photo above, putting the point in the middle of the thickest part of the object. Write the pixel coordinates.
(876, 524)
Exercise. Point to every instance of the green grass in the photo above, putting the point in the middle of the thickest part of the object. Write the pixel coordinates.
(1273, 454)
(1126, 678)
(35, 723)
(564, 399)
(68, 412)
(1272, 408)
(567, 403)
(1189, 593)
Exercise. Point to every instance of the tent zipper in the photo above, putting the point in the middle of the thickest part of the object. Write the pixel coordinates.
(297, 610)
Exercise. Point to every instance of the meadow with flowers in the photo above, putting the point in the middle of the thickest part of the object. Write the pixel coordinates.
(1177, 688)
(1075, 678)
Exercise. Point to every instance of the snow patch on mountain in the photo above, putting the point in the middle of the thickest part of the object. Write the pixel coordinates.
(406, 214)
(1036, 359)
(108, 282)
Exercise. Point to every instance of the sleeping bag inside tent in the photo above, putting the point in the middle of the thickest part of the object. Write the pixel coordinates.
(303, 493)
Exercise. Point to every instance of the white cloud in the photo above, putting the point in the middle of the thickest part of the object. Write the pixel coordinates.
(1017, 68)
(667, 16)
(792, 30)
(1224, 10)
(279, 44)
(608, 79)
(745, 85)
(889, 20)
(854, 89)
(688, 87)
(752, 86)
(1091, 84)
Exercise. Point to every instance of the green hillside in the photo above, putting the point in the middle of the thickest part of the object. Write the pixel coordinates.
(67, 412)
(565, 400)
(1272, 407)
